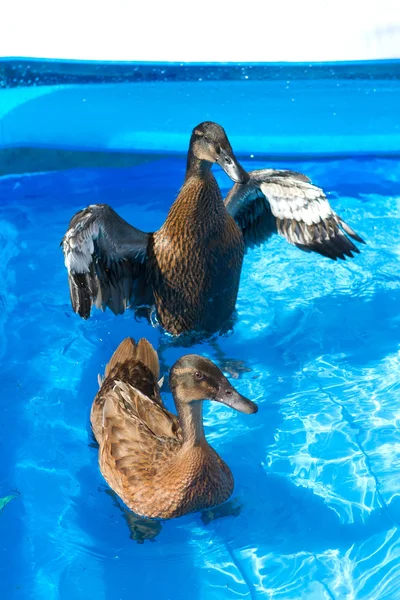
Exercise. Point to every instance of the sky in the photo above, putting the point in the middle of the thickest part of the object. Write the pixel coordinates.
(208, 30)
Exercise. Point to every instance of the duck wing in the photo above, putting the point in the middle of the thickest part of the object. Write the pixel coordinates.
(131, 381)
(105, 258)
(132, 426)
(138, 435)
(286, 202)
(127, 409)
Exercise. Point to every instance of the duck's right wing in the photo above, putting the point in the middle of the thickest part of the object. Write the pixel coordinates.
(105, 258)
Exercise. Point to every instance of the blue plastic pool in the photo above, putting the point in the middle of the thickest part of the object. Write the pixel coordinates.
(316, 345)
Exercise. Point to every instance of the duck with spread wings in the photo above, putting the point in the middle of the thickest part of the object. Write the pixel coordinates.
(189, 269)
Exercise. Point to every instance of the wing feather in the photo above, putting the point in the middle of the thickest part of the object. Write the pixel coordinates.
(286, 202)
(105, 259)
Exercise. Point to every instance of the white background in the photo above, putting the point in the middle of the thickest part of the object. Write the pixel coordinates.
(202, 30)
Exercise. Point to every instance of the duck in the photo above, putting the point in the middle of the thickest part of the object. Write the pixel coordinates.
(187, 273)
(158, 463)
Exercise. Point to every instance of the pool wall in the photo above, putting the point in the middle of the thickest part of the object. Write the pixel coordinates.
(60, 114)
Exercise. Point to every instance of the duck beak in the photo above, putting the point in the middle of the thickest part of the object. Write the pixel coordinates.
(227, 161)
(228, 395)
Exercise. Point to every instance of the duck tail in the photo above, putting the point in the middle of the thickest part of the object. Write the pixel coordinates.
(129, 350)
(147, 355)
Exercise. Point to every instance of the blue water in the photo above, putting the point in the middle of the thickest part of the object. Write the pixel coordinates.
(316, 469)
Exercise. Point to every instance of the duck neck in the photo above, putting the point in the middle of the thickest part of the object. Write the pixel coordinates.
(196, 167)
(199, 200)
(191, 420)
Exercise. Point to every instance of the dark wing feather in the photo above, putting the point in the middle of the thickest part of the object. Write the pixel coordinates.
(105, 258)
(287, 203)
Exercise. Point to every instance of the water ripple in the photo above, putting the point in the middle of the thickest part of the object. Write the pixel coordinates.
(316, 345)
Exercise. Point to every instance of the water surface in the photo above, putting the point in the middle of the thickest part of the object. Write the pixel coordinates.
(316, 469)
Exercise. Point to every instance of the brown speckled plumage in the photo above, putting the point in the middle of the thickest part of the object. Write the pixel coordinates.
(161, 465)
(195, 260)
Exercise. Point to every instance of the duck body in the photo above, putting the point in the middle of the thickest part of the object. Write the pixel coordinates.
(159, 464)
(190, 481)
(195, 260)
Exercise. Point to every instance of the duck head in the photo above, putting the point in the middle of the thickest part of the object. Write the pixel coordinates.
(209, 144)
(194, 378)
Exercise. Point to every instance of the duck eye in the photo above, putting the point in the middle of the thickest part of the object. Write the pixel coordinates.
(206, 139)
(228, 392)
(198, 375)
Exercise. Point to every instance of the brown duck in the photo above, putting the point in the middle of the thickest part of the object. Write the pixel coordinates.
(160, 464)
(190, 268)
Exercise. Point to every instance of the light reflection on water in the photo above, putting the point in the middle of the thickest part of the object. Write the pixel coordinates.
(316, 469)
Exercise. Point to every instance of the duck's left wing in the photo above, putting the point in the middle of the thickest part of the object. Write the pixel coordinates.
(286, 202)
(105, 258)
